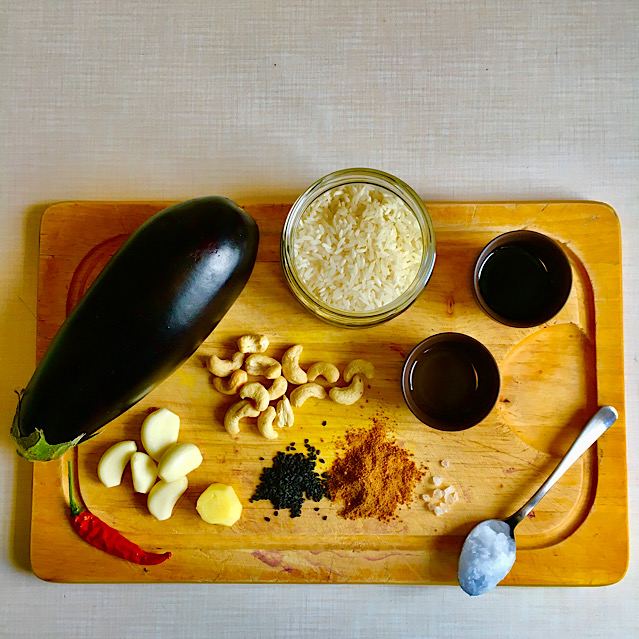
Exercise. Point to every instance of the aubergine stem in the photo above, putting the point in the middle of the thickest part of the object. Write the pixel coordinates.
(34, 446)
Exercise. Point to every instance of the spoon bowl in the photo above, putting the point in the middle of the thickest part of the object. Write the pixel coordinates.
(489, 552)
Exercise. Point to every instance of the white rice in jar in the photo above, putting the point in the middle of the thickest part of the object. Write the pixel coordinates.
(357, 248)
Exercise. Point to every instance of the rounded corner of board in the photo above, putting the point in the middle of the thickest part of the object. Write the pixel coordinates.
(50, 210)
(41, 570)
(608, 214)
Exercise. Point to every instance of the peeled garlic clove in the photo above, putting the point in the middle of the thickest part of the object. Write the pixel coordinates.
(163, 497)
(112, 464)
(159, 432)
(144, 471)
(178, 461)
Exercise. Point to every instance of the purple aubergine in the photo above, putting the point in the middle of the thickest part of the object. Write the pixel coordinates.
(157, 299)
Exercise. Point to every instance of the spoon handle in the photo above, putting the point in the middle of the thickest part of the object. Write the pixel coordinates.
(601, 421)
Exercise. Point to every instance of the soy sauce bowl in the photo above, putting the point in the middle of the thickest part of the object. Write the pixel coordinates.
(522, 279)
(450, 381)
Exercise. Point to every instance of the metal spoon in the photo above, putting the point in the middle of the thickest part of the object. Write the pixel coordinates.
(489, 551)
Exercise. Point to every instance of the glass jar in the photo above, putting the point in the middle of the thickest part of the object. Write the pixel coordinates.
(385, 183)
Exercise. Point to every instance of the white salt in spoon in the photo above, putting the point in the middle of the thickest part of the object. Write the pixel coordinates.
(489, 551)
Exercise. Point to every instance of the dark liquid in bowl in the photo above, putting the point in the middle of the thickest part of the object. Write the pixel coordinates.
(516, 283)
(450, 381)
(444, 383)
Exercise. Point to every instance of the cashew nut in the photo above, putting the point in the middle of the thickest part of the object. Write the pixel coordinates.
(349, 394)
(258, 364)
(252, 343)
(278, 388)
(235, 413)
(224, 367)
(231, 385)
(256, 392)
(329, 372)
(290, 365)
(302, 393)
(265, 423)
(284, 414)
(359, 366)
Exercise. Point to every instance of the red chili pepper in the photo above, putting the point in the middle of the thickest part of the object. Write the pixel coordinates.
(100, 535)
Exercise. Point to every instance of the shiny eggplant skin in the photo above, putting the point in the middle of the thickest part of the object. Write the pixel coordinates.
(153, 304)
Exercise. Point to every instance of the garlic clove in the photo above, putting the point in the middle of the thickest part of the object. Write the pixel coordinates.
(163, 497)
(112, 464)
(159, 432)
(178, 461)
(144, 472)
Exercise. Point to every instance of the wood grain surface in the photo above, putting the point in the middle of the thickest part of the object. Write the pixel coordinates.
(553, 377)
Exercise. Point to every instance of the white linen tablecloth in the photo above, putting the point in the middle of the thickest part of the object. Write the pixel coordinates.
(465, 100)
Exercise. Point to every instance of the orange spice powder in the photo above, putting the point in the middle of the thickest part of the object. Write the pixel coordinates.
(373, 476)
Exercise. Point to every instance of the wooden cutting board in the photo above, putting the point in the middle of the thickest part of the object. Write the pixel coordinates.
(553, 378)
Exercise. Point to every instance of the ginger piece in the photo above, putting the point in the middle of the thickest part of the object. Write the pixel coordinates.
(219, 504)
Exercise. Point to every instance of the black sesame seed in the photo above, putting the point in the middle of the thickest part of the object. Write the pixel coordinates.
(290, 481)
(323, 423)
(315, 509)
(321, 461)
(267, 519)
(306, 441)
(325, 517)
(276, 513)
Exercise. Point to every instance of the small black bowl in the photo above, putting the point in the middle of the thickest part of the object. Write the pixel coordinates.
(522, 279)
(450, 381)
